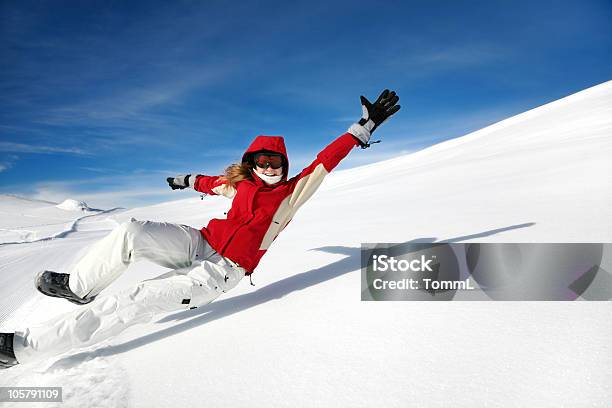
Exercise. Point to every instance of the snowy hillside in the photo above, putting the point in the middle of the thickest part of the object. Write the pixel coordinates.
(27, 220)
(302, 337)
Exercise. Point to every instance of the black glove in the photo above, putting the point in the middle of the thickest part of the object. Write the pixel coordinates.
(374, 114)
(179, 182)
(380, 110)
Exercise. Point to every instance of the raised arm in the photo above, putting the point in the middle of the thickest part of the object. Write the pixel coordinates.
(303, 186)
(374, 114)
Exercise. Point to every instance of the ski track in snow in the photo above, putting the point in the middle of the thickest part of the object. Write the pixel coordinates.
(71, 227)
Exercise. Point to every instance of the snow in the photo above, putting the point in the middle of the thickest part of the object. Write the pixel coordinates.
(73, 205)
(26, 220)
(302, 337)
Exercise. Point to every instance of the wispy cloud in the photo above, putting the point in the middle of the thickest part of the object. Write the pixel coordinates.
(116, 82)
(8, 162)
(429, 60)
(26, 148)
(132, 105)
(110, 191)
(459, 55)
(103, 170)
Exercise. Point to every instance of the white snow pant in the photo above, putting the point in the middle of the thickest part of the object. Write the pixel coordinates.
(198, 277)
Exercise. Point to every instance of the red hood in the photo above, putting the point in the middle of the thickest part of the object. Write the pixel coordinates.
(270, 143)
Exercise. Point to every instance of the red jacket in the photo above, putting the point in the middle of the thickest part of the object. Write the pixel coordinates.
(260, 212)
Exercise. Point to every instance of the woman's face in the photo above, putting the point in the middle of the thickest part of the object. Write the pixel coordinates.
(263, 163)
(269, 171)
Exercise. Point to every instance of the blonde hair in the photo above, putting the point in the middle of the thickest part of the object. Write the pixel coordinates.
(237, 172)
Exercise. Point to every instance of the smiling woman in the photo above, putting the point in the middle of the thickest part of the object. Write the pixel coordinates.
(204, 263)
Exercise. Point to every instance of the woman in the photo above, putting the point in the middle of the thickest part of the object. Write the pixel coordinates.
(204, 263)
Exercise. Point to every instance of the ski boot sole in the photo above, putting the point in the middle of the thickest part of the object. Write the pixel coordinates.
(43, 287)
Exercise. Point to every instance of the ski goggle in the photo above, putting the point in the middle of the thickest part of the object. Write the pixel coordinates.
(264, 160)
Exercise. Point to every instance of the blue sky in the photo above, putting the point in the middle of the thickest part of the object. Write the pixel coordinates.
(101, 100)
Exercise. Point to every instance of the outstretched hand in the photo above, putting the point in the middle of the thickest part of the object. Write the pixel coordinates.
(379, 111)
(178, 182)
(374, 114)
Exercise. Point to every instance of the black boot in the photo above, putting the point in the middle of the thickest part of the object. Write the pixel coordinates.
(56, 285)
(7, 354)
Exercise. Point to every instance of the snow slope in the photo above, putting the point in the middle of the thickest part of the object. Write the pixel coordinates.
(27, 220)
(302, 337)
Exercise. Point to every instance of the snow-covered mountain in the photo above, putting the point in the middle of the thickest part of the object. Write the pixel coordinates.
(302, 337)
(27, 220)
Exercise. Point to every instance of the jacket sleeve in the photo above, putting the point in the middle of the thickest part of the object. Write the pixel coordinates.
(303, 185)
(213, 185)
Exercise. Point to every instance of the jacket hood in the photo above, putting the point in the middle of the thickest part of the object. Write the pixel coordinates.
(274, 144)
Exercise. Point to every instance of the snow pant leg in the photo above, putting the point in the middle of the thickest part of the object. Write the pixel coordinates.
(109, 315)
(170, 245)
(214, 276)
